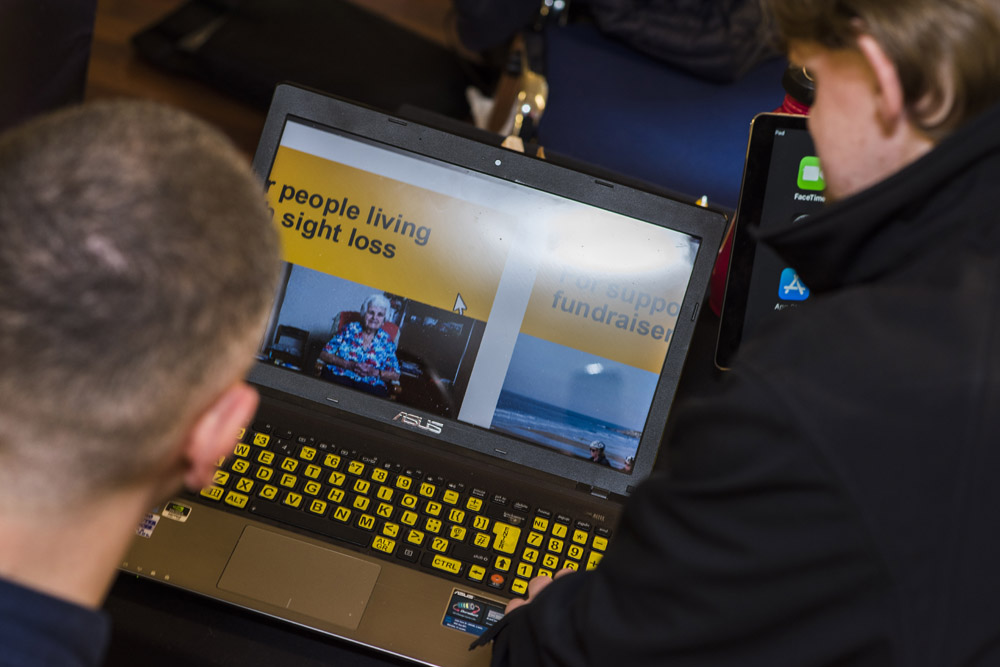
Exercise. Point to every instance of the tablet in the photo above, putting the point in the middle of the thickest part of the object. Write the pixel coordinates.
(782, 183)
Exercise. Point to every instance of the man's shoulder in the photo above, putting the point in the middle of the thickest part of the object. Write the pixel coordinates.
(39, 629)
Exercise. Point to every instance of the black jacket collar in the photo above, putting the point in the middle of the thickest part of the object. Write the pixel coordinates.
(864, 236)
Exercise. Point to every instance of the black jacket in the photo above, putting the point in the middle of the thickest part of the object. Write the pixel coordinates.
(837, 501)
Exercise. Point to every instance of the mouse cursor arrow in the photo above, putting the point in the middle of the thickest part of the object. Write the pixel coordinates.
(459, 304)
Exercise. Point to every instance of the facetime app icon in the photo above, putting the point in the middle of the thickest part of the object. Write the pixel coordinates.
(810, 174)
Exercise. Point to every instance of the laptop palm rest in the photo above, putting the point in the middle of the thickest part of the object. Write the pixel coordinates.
(295, 575)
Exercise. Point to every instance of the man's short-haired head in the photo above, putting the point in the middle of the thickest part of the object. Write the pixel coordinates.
(946, 52)
(137, 262)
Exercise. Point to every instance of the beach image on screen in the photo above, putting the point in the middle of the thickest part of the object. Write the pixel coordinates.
(565, 399)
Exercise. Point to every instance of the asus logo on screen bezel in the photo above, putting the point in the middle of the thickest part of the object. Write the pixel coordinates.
(416, 420)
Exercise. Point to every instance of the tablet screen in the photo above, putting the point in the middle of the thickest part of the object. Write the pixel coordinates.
(782, 184)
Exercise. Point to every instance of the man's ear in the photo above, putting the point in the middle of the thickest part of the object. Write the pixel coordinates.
(213, 434)
(890, 104)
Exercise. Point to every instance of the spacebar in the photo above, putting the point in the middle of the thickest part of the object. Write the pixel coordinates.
(315, 524)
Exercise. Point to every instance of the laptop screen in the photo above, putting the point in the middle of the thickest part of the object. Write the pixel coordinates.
(471, 298)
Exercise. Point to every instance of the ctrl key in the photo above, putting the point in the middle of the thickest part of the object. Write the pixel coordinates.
(442, 563)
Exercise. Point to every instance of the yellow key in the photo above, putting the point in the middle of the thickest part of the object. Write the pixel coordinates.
(433, 526)
(550, 561)
(366, 521)
(384, 544)
(432, 508)
(342, 514)
(242, 450)
(409, 518)
(575, 552)
(288, 481)
(427, 490)
(266, 458)
(361, 486)
(261, 439)
(530, 555)
(570, 565)
(384, 510)
(336, 496)
(213, 492)
(361, 503)
(450, 496)
(560, 530)
(384, 493)
(312, 471)
(600, 543)
(481, 540)
(403, 482)
(379, 475)
(268, 492)
(447, 564)
(480, 523)
(307, 453)
(244, 485)
(289, 464)
(525, 570)
(331, 461)
(337, 478)
(312, 487)
(502, 563)
(390, 529)
(409, 501)
(535, 539)
(457, 533)
(415, 537)
(456, 515)
(264, 473)
(355, 467)
(555, 546)
(477, 572)
(580, 537)
(220, 477)
(292, 499)
(506, 537)
(546, 573)
(317, 506)
(540, 524)
(241, 466)
(595, 558)
(439, 544)
(474, 504)
(519, 587)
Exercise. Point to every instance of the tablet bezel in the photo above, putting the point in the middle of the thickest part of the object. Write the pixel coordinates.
(760, 149)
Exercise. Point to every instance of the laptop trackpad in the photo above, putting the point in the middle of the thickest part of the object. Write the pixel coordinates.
(302, 577)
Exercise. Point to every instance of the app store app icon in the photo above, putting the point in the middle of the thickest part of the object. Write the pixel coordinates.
(791, 287)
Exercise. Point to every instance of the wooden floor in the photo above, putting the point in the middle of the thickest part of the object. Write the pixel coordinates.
(115, 70)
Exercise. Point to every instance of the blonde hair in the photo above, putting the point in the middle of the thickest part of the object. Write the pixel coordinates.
(946, 52)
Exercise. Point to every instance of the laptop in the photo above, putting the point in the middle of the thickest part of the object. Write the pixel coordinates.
(529, 323)
(782, 184)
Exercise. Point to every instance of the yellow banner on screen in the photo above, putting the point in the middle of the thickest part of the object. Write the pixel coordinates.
(615, 295)
(387, 234)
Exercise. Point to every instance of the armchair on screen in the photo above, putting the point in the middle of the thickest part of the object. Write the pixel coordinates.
(340, 322)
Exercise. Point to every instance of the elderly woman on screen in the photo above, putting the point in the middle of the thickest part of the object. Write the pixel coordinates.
(362, 355)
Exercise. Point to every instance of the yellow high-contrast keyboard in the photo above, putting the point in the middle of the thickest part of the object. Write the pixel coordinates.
(390, 510)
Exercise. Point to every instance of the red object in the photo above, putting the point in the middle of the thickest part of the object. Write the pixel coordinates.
(720, 272)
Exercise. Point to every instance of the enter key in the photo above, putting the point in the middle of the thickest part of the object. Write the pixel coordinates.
(506, 537)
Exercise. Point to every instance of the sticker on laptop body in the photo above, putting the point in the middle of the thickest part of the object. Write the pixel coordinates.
(472, 613)
(147, 525)
(176, 511)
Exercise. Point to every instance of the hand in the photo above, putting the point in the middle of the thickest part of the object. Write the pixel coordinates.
(535, 586)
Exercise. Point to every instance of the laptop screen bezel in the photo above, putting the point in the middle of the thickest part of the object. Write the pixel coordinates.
(348, 119)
